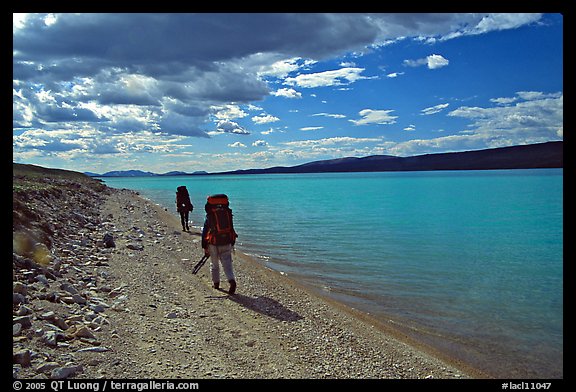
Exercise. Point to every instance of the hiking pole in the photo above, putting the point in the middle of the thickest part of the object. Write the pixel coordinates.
(200, 264)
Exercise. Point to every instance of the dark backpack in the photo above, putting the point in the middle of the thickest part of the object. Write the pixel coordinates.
(183, 199)
(220, 221)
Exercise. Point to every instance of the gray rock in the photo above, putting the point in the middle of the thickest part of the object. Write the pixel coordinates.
(42, 279)
(95, 349)
(50, 338)
(65, 371)
(135, 246)
(25, 321)
(47, 367)
(18, 298)
(69, 288)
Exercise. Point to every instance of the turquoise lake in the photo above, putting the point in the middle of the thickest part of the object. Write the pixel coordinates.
(469, 261)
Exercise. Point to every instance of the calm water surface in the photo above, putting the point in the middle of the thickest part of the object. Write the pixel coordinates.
(471, 261)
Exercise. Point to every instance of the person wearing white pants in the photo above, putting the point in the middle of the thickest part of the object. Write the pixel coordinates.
(218, 238)
(222, 254)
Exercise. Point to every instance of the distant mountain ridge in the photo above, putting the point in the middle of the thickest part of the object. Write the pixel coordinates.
(531, 156)
(140, 173)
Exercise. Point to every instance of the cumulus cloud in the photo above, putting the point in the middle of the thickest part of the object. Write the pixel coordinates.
(171, 76)
(260, 143)
(370, 116)
(226, 126)
(433, 61)
(228, 112)
(337, 77)
(537, 115)
(264, 119)
(287, 93)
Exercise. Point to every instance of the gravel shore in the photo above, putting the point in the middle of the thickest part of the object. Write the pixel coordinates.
(133, 309)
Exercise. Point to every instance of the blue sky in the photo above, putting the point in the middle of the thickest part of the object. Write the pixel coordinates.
(218, 92)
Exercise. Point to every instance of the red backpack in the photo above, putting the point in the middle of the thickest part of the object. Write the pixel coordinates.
(220, 222)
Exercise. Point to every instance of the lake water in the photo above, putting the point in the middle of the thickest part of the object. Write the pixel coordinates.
(469, 261)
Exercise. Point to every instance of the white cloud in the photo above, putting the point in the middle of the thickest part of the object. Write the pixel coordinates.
(338, 77)
(311, 128)
(328, 115)
(369, 116)
(507, 21)
(287, 93)
(282, 68)
(342, 140)
(237, 145)
(264, 119)
(260, 143)
(534, 119)
(226, 126)
(436, 61)
(434, 109)
(433, 61)
(228, 112)
(503, 101)
(394, 74)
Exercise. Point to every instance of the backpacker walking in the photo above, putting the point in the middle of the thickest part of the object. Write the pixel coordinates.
(218, 238)
(183, 206)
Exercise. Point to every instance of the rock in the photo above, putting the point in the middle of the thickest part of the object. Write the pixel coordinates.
(109, 241)
(84, 332)
(20, 288)
(55, 320)
(42, 279)
(65, 371)
(22, 357)
(94, 349)
(25, 321)
(23, 311)
(47, 367)
(69, 288)
(50, 338)
(135, 246)
(18, 298)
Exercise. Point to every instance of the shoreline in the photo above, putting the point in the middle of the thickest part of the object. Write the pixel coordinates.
(472, 355)
(133, 309)
(393, 328)
(438, 344)
(386, 324)
(402, 334)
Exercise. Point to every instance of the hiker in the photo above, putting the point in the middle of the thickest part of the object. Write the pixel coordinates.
(218, 238)
(183, 206)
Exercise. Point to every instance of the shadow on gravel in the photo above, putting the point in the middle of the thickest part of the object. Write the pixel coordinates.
(266, 306)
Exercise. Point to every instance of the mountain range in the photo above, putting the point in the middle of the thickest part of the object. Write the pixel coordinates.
(531, 156)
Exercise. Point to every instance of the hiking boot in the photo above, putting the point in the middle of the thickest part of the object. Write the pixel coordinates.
(216, 285)
(232, 288)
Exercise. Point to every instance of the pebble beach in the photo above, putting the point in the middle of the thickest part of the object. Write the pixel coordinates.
(129, 307)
